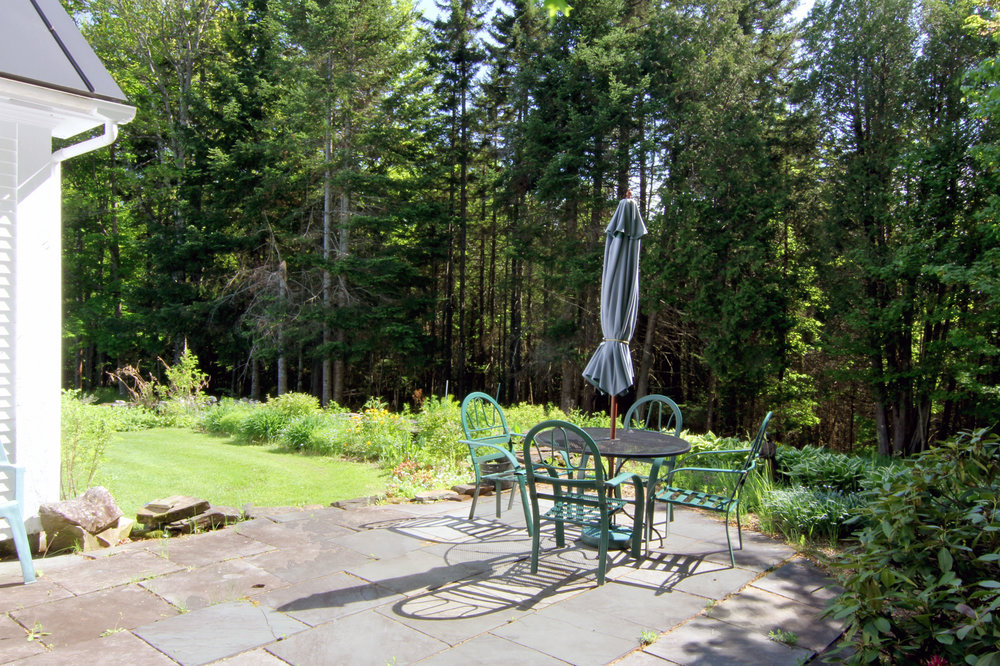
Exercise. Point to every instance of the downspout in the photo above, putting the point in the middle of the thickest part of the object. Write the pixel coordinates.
(88, 145)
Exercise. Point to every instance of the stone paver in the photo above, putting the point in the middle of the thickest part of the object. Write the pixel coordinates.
(358, 639)
(120, 569)
(760, 611)
(326, 599)
(707, 642)
(206, 635)
(86, 617)
(214, 584)
(117, 649)
(415, 583)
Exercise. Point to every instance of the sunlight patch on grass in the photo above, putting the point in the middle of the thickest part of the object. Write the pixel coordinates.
(147, 465)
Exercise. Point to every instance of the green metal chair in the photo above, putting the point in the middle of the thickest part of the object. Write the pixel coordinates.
(12, 481)
(491, 448)
(650, 413)
(726, 501)
(566, 469)
(660, 413)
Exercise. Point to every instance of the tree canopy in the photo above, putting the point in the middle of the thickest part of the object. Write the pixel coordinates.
(344, 198)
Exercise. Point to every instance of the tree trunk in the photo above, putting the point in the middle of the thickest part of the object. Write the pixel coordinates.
(646, 358)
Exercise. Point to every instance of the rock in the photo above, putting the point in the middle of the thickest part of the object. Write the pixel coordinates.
(171, 509)
(70, 537)
(214, 518)
(429, 496)
(357, 502)
(92, 513)
(116, 534)
(467, 489)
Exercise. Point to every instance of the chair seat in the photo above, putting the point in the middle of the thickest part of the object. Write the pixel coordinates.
(687, 497)
(579, 514)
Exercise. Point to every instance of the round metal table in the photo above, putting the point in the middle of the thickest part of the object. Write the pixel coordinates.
(649, 445)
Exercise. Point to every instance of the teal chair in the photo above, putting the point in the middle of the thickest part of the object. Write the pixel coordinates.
(660, 413)
(725, 501)
(12, 478)
(567, 471)
(655, 412)
(491, 448)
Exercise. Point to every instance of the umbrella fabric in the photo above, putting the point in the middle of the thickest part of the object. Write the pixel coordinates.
(610, 368)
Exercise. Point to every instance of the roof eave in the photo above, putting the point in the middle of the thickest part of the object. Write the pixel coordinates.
(65, 112)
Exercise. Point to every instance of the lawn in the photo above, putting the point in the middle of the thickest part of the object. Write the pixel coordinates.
(146, 465)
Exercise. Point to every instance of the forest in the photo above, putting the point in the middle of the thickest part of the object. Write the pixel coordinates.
(343, 198)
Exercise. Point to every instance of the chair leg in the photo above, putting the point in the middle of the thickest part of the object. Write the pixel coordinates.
(498, 491)
(739, 528)
(535, 545)
(729, 542)
(602, 552)
(524, 504)
(23, 551)
(475, 498)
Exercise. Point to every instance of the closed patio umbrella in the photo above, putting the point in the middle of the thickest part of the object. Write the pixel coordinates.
(610, 368)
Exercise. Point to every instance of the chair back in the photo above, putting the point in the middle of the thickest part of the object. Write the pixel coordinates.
(483, 419)
(756, 445)
(655, 412)
(565, 457)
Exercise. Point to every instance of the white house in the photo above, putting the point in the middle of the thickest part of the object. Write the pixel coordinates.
(52, 85)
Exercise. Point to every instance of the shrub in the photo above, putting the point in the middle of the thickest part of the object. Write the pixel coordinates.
(319, 432)
(86, 431)
(261, 425)
(379, 435)
(439, 430)
(225, 417)
(922, 585)
(812, 512)
(817, 467)
(291, 405)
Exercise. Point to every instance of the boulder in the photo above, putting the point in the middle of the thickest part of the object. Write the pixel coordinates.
(429, 496)
(94, 512)
(213, 518)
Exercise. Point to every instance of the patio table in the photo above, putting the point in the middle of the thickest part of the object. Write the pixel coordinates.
(650, 445)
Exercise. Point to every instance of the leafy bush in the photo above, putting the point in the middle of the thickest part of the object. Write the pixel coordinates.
(812, 512)
(86, 431)
(129, 418)
(319, 432)
(225, 417)
(291, 405)
(439, 430)
(261, 425)
(379, 435)
(817, 467)
(922, 585)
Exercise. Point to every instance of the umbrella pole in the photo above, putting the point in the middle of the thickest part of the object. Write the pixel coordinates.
(614, 415)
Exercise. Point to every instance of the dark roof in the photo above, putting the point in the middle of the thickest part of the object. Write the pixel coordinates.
(40, 44)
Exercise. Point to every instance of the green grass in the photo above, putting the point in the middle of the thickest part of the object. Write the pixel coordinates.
(146, 465)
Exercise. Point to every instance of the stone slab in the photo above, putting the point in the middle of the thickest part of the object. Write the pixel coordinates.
(362, 639)
(760, 611)
(641, 658)
(292, 533)
(117, 649)
(18, 595)
(653, 609)
(413, 573)
(326, 599)
(802, 581)
(170, 509)
(204, 549)
(106, 572)
(208, 634)
(488, 649)
(213, 584)
(14, 643)
(379, 544)
(704, 578)
(561, 640)
(707, 642)
(759, 552)
(256, 657)
(86, 617)
(456, 612)
(369, 518)
(310, 561)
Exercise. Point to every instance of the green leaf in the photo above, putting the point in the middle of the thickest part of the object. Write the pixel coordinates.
(882, 625)
(945, 560)
(992, 584)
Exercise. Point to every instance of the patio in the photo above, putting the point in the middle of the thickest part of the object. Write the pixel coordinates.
(413, 583)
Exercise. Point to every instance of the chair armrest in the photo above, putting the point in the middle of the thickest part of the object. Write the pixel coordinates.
(719, 470)
(622, 478)
(501, 452)
(15, 474)
(715, 452)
